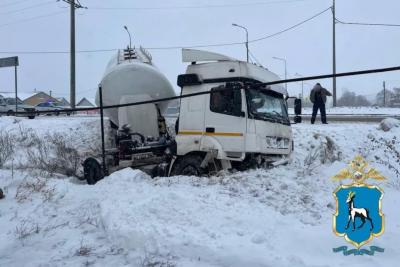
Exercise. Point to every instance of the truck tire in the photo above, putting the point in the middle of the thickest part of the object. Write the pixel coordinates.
(31, 117)
(10, 113)
(188, 165)
(92, 171)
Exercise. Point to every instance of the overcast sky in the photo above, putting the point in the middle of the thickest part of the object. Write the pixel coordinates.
(307, 49)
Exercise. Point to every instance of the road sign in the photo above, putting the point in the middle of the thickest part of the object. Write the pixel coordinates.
(8, 62)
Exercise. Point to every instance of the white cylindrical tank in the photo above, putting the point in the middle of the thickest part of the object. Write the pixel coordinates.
(130, 74)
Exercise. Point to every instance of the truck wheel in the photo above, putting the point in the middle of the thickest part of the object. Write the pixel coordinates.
(189, 166)
(10, 113)
(92, 171)
(31, 117)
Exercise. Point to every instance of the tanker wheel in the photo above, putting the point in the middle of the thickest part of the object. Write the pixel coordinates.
(92, 171)
(189, 165)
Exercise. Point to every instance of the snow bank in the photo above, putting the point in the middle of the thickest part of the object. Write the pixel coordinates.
(277, 217)
(388, 124)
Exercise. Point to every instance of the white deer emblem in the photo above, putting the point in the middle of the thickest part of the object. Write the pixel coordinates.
(362, 213)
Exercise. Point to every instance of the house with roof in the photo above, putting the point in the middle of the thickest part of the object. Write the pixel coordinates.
(84, 102)
(39, 97)
(87, 103)
(63, 102)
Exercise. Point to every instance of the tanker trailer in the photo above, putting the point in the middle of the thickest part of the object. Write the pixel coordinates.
(131, 76)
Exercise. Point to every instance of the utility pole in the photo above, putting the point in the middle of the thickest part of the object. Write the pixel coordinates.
(74, 4)
(384, 93)
(334, 53)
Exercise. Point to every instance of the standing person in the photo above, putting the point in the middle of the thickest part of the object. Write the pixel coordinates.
(318, 98)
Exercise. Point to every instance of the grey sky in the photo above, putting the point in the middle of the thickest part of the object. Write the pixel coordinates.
(308, 48)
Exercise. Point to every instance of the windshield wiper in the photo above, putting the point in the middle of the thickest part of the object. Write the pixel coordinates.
(282, 118)
(266, 116)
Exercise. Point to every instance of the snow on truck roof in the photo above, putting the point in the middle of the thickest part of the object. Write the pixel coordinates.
(215, 66)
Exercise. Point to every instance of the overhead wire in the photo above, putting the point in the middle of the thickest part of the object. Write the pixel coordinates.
(367, 24)
(32, 18)
(13, 3)
(290, 28)
(196, 6)
(174, 47)
(26, 8)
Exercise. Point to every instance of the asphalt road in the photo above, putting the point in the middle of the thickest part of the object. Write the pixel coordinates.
(371, 118)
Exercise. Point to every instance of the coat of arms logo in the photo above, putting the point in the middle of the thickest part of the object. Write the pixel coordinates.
(358, 217)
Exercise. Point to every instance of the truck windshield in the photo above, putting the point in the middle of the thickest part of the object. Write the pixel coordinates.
(267, 106)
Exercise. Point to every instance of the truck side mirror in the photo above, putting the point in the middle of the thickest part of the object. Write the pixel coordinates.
(297, 106)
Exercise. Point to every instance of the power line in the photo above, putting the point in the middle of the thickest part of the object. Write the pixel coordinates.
(32, 18)
(290, 28)
(13, 3)
(367, 24)
(25, 8)
(58, 52)
(196, 6)
(241, 43)
(177, 47)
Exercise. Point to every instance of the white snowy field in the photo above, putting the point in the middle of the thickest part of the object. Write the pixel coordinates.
(354, 110)
(276, 217)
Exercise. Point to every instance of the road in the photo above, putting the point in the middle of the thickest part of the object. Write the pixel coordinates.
(371, 118)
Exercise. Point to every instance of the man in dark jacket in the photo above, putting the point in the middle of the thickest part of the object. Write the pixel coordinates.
(318, 98)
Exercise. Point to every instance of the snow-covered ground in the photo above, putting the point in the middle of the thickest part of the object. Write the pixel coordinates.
(277, 217)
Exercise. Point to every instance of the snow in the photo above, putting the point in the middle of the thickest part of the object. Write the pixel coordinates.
(276, 217)
(388, 124)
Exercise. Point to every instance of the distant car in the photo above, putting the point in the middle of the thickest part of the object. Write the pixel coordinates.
(48, 106)
(7, 105)
(65, 108)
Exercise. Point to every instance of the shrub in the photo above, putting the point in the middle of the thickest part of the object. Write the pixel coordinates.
(53, 154)
(6, 147)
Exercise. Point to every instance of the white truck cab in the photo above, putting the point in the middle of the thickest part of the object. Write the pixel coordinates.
(238, 125)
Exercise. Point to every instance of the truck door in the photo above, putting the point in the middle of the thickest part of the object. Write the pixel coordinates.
(225, 119)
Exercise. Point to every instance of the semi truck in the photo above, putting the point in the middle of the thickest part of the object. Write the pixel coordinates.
(235, 122)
